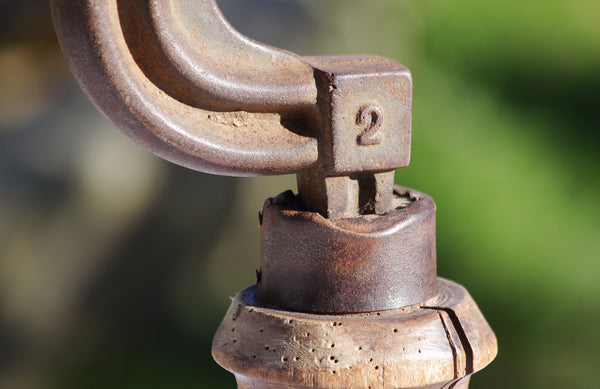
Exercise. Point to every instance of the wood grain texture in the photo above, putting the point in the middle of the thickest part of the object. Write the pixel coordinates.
(430, 346)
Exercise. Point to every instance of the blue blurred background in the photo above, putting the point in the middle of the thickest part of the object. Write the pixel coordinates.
(116, 267)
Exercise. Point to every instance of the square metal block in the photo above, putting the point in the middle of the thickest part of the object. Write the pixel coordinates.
(366, 111)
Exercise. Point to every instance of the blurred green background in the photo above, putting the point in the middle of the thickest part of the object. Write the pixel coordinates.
(116, 267)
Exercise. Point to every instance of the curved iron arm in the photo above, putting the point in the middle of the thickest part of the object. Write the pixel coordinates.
(179, 80)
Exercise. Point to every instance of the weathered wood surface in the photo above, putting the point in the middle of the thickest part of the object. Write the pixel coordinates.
(431, 346)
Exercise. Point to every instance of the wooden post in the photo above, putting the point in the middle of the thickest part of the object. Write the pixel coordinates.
(435, 345)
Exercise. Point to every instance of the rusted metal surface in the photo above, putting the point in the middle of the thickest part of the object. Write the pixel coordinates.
(188, 89)
(370, 263)
(365, 105)
(178, 79)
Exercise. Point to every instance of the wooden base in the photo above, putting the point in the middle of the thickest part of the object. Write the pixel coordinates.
(248, 383)
(435, 345)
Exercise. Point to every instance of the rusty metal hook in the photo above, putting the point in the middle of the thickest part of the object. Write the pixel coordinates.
(180, 81)
(177, 78)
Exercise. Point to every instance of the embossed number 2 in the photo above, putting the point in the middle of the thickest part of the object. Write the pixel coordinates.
(372, 117)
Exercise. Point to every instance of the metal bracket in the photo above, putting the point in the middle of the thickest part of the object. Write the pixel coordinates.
(178, 79)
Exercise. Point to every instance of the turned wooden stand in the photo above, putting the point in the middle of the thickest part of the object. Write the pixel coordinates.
(298, 336)
(434, 345)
